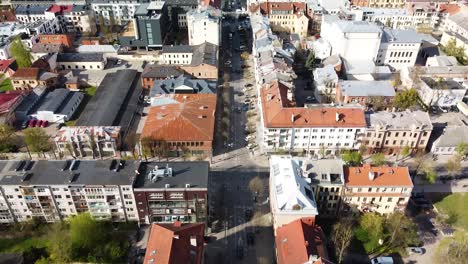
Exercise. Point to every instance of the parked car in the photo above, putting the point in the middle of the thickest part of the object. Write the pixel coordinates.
(434, 110)
(382, 260)
(443, 109)
(119, 62)
(417, 250)
(32, 122)
(38, 123)
(24, 124)
(45, 123)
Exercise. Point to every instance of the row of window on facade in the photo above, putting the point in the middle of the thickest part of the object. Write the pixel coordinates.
(83, 67)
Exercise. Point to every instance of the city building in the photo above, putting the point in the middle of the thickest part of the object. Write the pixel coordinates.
(92, 141)
(379, 3)
(29, 78)
(204, 25)
(33, 13)
(442, 61)
(29, 103)
(81, 61)
(175, 243)
(120, 11)
(364, 92)
(354, 41)
(301, 241)
(399, 48)
(317, 130)
(321, 48)
(52, 190)
(412, 76)
(442, 92)
(58, 106)
(8, 103)
(57, 39)
(153, 72)
(178, 9)
(457, 23)
(183, 85)
(185, 122)
(199, 61)
(451, 138)
(167, 192)
(460, 41)
(325, 80)
(390, 132)
(327, 181)
(377, 189)
(289, 15)
(291, 197)
(39, 50)
(149, 27)
(115, 101)
(80, 18)
(8, 67)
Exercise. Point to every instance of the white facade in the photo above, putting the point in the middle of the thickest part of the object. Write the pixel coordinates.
(451, 91)
(179, 58)
(352, 40)
(399, 48)
(5, 50)
(447, 143)
(291, 196)
(80, 21)
(82, 65)
(460, 41)
(325, 80)
(458, 23)
(122, 11)
(204, 25)
(329, 140)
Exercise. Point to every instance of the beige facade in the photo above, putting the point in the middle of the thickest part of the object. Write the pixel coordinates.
(298, 24)
(390, 132)
(202, 71)
(387, 3)
(383, 200)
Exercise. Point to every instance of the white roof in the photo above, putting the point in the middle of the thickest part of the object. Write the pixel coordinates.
(97, 49)
(325, 75)
(290, 187)
(399, 120)
(367, 88)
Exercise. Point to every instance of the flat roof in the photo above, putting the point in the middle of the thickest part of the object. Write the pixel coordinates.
(399, 120)
(452, 136)
(108, 105)
(193, 173)
(367, 88)
(324, 170)
(400, 36)
(84, 172)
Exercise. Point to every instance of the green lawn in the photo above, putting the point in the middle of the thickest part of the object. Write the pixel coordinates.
(456, 204)
(90, 90)
(6, 85)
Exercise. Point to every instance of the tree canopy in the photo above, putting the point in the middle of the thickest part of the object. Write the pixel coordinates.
(352, 158)
(21, 54)
(462, 149)
(453, 165)
(310, 61)
(453, 249)
(406, 99)
(451, 49)
(342, 234)
(37, 139)
(256, 186)
(6, 138)
(378, 159)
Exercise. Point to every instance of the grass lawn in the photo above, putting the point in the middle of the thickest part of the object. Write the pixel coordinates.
(90, 90)
(458, 204)
(6, 85)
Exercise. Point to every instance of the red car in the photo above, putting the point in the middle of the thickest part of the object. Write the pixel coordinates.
(38, 124)
(44, 123)
(32, 122)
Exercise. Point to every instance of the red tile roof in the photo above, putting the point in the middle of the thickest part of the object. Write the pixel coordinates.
(26, 73)
(383, 176)
(8, 99)
(450, 9)
(185, 117)
(283, 6)
(60, 8)
(7, 16)
(171, 243)
(297, 241)
(277, 112)
(4, 64)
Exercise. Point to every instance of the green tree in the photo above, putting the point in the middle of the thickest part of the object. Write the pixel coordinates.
(59, 246)
(405, 151)
(402, 232)
(342, 234)
(37, 140)
(462, 149)
(430, 175)
(370, 231)
(451, 49)
(453, 250)
(377, 102)
(20, 53)
(378, 159)
(7, 134)
(310, 61)
(352, 158)
(86, 233)
(406, 99)
(396, 80)
(453, 165)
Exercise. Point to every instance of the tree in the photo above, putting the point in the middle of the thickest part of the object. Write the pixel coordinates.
(430, 175)
(103, 27)
(378, 159)
(402, 232)
(59, 246)
(462, 149)
(186, 153)
(352, 158)
(256, 186)
(310, 62)
(7, 134)
(406, 99)
(37, 140)
(20, 53)
(454, 249)
(342, 234)
(396, 80)
(405, 151)
(370, 231)
(162, 149)
(377, 103)
(453, 165)
(85, 232)
(451, 49)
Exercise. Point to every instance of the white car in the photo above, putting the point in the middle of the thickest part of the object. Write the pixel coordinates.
(416, 250)
(251, 146)
(119, 62)
(249, 137)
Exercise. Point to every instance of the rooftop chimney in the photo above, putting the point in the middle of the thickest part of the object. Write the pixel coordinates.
(337, 116)
(371, 175)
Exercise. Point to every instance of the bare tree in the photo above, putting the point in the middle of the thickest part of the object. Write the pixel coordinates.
(342, 234)
(256, 186)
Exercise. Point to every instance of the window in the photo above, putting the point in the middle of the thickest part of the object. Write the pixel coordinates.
(324, 176)
(389, 199)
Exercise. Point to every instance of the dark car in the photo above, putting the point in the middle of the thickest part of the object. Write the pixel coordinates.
(250, 238)
(24, 124)
(248, 214)
(434, 110)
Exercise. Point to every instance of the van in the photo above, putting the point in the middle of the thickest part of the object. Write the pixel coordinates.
(382, 260)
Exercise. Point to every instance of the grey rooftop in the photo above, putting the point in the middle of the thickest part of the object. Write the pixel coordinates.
(400, 36)
(81, 57)
(367, 88)
(452, 136)
(399, 120)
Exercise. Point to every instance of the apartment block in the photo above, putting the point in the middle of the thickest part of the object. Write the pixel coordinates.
(120, 10)
(54, 190)
(326, 178)
(289, 15)
(399, 48)
(204, 25)
(29, 78)
(389, 132)
(291, 197)
(377, 189)
(167, 192)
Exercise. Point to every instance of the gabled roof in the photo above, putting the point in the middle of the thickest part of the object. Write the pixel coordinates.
(5, 64)
(299, 242)
(182, 84)
(26, 73)
(175, 243)
(181, 117)
(382, 176)
(278, 113)
(161, 71)
(9, 99)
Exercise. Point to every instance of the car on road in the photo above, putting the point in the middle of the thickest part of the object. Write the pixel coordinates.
(251, 146)
(245, 107)
(24, 124)
(434, 110)
(119, 62)
(248, 85)
(128, 65)
(250, 238)
(227, 62)
(443, 109)
(382, 260)
(310, 98)
(239, 109)
(248, 214)
(249, 137)
(416, 250)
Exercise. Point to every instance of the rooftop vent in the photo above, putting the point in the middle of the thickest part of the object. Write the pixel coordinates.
(187, 185)
(371, 175)
(155, 174)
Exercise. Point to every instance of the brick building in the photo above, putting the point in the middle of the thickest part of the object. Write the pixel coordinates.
(65, 39)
